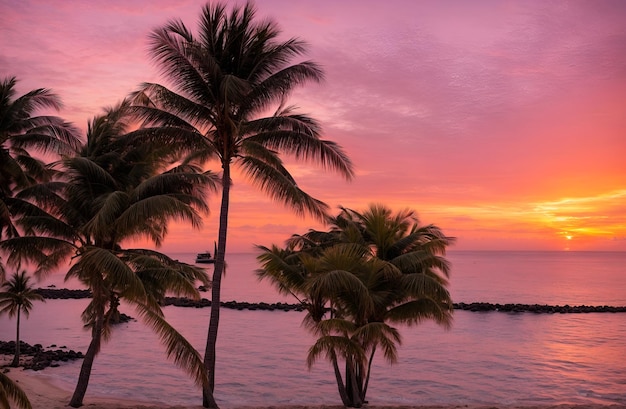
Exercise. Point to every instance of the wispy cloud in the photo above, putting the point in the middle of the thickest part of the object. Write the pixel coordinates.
(482, 116)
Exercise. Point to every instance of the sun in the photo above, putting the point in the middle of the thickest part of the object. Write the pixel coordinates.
(568, 237)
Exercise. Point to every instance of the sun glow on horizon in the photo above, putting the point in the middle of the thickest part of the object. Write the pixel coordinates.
(588, 222)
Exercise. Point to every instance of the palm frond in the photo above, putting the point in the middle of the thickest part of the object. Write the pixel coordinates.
(47, 253)
(10, 391)
(416, 311)
(306, 145)
(108, 266)
(421, 261)
(177, 347)
(161, 209)
(379, 334)
(424, 285)
(338, 345)
(275, 85)
(334, 326)
(341, 286)
(283, 270)
(275, 182)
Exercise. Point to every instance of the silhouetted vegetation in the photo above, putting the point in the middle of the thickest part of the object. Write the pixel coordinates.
(16, 298)
(368, 271)
(225, 81)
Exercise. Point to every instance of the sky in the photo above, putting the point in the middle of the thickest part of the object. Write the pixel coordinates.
(502, 122)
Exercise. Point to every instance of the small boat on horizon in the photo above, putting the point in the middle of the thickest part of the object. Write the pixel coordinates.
(204, 258)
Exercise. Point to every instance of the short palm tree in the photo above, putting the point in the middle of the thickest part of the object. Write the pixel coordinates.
(21, 135)
(367, 272)
(10, 391)
(227, 80)
(16, 298)
(112, 192)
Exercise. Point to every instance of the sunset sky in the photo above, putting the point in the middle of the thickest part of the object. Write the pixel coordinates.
(502, 122)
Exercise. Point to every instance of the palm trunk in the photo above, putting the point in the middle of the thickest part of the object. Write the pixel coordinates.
(340, 385)
(352, 386)
(16, 358)
(367, 376)
(208, 400)
(85, 369)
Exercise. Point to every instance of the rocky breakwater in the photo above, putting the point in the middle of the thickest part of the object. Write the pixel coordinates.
(54, 293)
(235, 305)
(63, 293)
(536, 308)
(35, 357)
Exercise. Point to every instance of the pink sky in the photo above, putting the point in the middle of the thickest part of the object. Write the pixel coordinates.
(502, 122)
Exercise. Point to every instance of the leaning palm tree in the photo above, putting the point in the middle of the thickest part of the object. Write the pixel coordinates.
(112, 192)
(225, 82)
(17, 297)
(21, 135)
(369, 271)
(10, 391)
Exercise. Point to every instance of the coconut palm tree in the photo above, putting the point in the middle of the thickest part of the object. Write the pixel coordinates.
(112, 192)
(369, 271)
(226, 82)
(9, 390)
(17, 297)
(21, 135)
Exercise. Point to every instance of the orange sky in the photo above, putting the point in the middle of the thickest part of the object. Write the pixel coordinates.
(503, 122)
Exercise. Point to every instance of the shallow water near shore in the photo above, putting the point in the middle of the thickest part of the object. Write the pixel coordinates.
(485, 359)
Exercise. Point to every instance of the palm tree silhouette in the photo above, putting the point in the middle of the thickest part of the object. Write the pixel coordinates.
(369, 271)
(21, 134)
(114, 191)
(17, 297)
(226, 80)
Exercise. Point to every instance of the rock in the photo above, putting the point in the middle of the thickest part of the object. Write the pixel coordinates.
(38, 358)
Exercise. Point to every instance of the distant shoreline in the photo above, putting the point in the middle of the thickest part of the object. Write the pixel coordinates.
(64, 293)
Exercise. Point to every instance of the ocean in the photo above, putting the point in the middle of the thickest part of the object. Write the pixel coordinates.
(486, 358)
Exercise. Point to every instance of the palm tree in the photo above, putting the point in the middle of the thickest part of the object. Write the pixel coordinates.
(112, 192)
(367, 272)
(18, 297)
(21, 134)
(9, 390)
(226, 80)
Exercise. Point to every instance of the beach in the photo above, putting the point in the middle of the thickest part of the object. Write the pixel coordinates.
(44, 395)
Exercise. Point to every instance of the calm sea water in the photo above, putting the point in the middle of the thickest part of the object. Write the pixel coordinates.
(486, 358)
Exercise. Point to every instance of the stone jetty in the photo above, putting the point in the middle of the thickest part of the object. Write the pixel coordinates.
(54, 293)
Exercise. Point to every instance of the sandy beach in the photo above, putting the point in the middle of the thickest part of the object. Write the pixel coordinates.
(44, 395)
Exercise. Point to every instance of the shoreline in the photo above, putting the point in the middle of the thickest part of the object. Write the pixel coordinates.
(44, 394)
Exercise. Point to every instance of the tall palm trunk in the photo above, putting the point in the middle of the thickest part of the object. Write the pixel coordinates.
(85, 369)
(208, 400)
(16, 358)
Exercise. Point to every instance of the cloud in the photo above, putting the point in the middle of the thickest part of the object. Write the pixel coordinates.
(476, 114)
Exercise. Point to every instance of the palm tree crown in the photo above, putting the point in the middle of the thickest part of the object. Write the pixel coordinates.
(16, 298)
(370, 270)
(21, 135)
